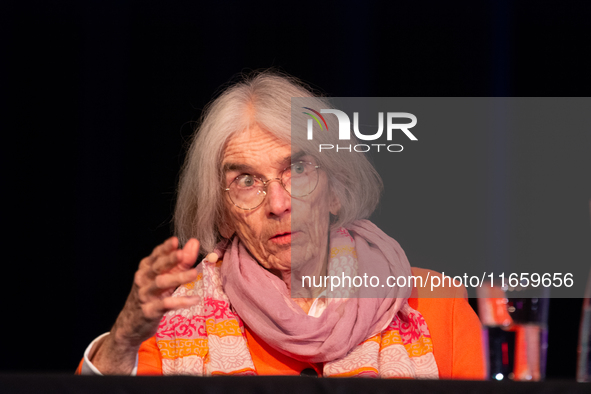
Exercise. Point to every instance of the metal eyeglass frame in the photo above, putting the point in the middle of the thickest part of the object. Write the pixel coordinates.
(265, 183)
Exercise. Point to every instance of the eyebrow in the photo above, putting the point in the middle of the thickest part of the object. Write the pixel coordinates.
(298, 156)
(237, 167)
(248, 168)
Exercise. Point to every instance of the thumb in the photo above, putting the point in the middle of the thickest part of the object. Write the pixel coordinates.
(190, 252)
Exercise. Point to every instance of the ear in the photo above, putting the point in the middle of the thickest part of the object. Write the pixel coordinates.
(335, 204)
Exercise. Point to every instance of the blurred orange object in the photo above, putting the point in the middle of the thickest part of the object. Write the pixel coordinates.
(492, 307)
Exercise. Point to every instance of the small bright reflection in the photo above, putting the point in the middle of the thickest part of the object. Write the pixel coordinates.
(499, 376)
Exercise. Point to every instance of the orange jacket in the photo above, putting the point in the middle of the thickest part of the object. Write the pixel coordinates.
(455, 330)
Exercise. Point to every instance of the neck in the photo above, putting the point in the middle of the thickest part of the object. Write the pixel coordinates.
(301, 293)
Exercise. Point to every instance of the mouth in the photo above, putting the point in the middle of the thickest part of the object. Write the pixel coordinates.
(283, 238)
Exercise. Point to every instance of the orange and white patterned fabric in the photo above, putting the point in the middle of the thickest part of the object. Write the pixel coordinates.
(209, 339)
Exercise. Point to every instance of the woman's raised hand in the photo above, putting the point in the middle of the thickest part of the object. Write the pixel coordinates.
(150, 298)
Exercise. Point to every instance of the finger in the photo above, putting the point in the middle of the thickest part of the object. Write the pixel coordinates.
(164, 248)
(165, 263)
(171, 303)
(183, 259)
(165, 283)
(168, 281)
(149, 269)
(189, 254)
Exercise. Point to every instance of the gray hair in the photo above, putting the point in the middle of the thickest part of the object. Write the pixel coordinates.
(264, 99)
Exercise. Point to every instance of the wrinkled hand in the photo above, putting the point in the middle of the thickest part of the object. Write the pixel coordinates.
(156, 279)
(150, 298)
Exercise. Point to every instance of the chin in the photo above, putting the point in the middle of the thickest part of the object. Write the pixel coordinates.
(299, 257)
(280, 261)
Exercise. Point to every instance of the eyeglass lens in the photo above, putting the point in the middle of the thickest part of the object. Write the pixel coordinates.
(299, 180)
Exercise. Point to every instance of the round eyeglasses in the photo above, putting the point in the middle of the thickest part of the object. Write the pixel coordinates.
(249, 191)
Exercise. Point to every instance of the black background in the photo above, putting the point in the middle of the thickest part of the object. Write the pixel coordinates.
(99, 98)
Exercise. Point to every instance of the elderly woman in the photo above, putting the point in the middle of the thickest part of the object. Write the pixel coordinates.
(270, 210)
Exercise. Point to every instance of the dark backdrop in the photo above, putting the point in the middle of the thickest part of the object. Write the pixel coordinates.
(99, 98)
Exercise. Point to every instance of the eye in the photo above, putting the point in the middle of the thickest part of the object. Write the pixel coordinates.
(299, 168)
(245, 181)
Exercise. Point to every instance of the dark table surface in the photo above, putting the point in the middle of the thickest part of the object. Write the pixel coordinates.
(24, 383)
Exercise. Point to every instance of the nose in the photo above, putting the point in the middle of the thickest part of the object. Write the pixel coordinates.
(278, 199)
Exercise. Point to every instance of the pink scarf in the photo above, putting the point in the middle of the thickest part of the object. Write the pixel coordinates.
(263, 301)
(353, 336)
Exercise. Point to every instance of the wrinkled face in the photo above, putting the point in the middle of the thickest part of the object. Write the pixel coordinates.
(282, 226)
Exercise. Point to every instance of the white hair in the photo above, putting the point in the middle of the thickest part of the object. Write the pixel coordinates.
(264, 99)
